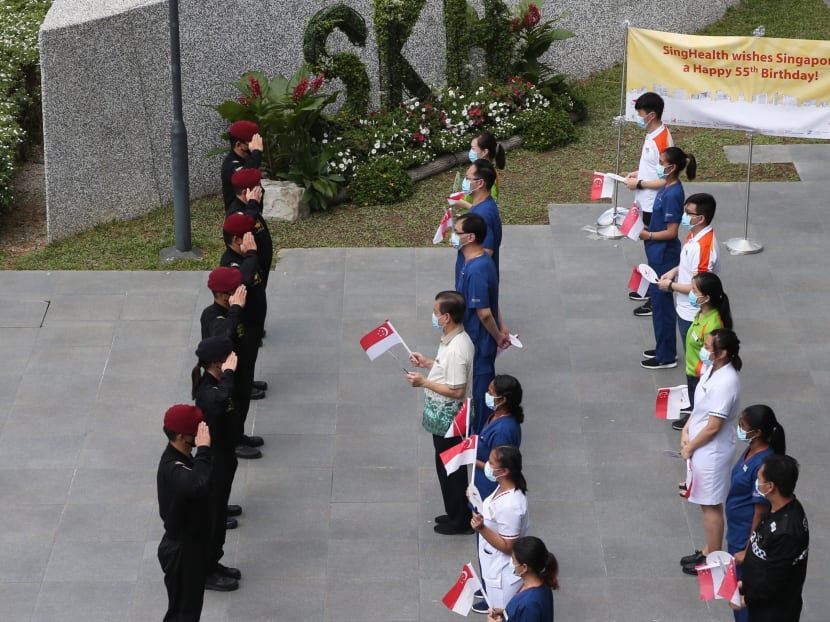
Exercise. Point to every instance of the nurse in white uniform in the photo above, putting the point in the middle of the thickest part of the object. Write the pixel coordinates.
(503, 520)
(708, 439)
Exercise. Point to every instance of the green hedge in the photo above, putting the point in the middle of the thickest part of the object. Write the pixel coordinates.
(19, 81)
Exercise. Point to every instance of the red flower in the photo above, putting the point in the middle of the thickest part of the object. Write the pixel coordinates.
(253, 85)
(532, 17)
(244, 101)
(318, 81)
(418, 137)
(514, 24)
(300, 89)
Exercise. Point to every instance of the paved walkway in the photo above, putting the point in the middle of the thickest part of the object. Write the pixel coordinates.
(337, 523)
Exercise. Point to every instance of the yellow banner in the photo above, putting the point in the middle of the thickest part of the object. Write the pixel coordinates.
(771, 86)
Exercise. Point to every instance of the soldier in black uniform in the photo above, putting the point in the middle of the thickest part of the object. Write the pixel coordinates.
(248, 200)
(183, 483)
(212, 393)
(246, 152)
(241, 254)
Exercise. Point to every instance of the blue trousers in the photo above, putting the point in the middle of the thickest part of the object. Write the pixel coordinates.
(481, 382)
(663, 319)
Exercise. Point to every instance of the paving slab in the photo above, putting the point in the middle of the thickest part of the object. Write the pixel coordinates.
(337, 521)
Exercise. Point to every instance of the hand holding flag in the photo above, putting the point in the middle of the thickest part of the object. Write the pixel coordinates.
(380, 339)
(460, 426)
(444, 226)
(633, 223)
(717, 578)
(670, 401)
(602, 185)
(460, 597)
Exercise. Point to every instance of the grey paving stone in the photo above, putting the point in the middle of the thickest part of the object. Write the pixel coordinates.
(114, 485)
(739, 154)
(106, 522)
(393, 600)
(373, 484)
(22, 313)
(94, 561)
(381, 520)
(83, 601)
(18, 599)
(274, 519)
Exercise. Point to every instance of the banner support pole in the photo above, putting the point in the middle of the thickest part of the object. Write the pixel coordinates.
(745, 246)
(612, 231)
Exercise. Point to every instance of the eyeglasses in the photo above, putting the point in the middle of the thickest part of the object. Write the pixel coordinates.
(472, 178)
(688, 213)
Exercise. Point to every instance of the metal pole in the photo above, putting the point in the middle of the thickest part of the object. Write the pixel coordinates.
(745, 246)
(612, 231)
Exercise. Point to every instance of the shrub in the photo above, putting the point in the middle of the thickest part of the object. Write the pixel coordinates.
(380, 181)
(543, 129)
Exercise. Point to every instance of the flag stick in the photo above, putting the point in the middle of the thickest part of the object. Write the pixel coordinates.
(403, 343)
(395, 356)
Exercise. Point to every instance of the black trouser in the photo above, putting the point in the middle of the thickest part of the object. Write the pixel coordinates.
(454, 486)
(183, 564)
(221, 480)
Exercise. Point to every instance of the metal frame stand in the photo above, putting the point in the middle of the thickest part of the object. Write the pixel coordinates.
(745, 246)
(612, 231)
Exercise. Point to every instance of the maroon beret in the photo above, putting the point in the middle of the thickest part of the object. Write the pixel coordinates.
(224, 279)
(182, 419)
(243, 130)
(238, 224)
(246, 178)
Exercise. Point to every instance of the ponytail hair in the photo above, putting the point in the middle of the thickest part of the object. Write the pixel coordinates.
(726, 339)
(681, 160)
(532, 551)
(761, 417)
(495, 152)
(510, 458)
(196, 377)
(710, 285)
(510, 389)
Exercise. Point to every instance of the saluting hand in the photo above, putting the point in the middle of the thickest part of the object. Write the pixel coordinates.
(239, 296)
(256, 142)
(230, 362)
(202, 435)
(254, 194)
(248, 242)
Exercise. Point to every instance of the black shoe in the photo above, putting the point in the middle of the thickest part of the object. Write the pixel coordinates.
(219, 583)
(446, 530)
(643, 311)
(251, 441)
(247, 453)
(690, 569)
(480, 607)
(231, 523)
(695, 559)
(227, 571)
(440, 520)
(257, 394)
(653, 364)
(649, 354)
(234, 510)
(636, 297)
(478, 595)
(260, 384)
(679, 424)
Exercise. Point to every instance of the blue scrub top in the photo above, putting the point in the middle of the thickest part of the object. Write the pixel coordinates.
(668, 207)
(489, 211)
(479, 284)
(533, 604)
(502, 431)
(740, 504)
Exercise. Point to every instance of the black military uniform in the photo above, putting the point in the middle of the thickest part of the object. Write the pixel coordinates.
(775, 565)
(183, 483)
(213, 398)
(262, 235)
(242, 131)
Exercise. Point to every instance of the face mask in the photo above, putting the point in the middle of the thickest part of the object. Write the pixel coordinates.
(641, 122)
(661, 171)
(472, 155)
(465, 186)
(489, 473)
(742, 435)
(705, 356)
(490, 401)
(455, 240)
(435, 323)
(517, 571)
(758, 490)
(686, 220)
(693, 299)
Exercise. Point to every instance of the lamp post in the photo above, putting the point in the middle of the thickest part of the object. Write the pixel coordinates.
(178, 153)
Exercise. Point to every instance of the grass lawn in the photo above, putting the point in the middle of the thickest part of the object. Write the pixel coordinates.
(528, 184)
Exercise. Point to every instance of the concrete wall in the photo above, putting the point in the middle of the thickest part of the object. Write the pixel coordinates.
(106, 83)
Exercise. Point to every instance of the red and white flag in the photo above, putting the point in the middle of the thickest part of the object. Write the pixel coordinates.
(718, 581)
(670, 400)
(460, 597)
(633, 223)
(379, 340)
(461, 454)
(460, 426)
(443, 227)
(596, 186)
(638, 283)
(455, 196)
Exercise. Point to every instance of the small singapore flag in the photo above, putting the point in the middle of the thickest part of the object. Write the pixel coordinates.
(670, 400)
(460, 426)
(444, 226)
(633, 223)
(460, 597)
(461, 454)
(638, 283)
(379, 340)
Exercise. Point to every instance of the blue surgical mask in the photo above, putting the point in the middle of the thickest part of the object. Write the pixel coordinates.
(465, 186)
(686, 220)
(473, 156)
(693, 299)
(641, 122)
(489, 473)
(435, 323)
(455, 240)
(490, 401)
(758, 489)
(705, 356)
(742, 435)
(661, 171)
